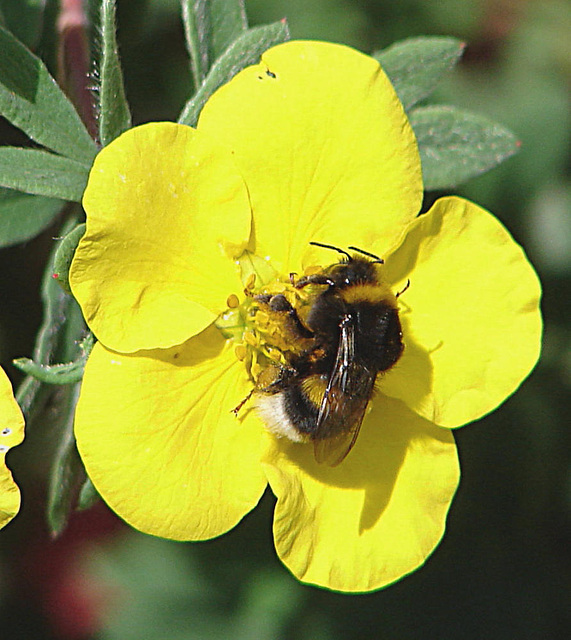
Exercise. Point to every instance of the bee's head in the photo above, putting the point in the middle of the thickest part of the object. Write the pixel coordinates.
(352, 270)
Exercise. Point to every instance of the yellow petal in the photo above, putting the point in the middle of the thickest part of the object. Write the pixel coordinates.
(374, 518)
(11, 434)
(325, 148)
(471, 318)
(158, 439)
(166, 212)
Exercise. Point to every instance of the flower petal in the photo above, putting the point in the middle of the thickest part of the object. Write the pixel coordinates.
(11, 434)
(375, 517)
(325, 148)
(166, 210)
(471, 318)
(163, 449)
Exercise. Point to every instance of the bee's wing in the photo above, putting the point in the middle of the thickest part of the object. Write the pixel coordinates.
(343, 406)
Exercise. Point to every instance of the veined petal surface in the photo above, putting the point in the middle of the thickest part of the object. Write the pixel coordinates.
(375, 517)
(158, 439)
(166, 213)
(325, 148)
(11, 434)
(471, 318)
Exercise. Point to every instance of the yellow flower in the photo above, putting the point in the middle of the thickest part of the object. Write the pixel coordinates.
(11, 434)
(312, 144)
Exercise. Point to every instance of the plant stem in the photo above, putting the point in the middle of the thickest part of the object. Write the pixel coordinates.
(74, 60)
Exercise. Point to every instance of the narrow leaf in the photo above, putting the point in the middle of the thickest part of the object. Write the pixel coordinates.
(88, 496)
(42, 173)
(68, 472)
(210, 27)
(245, 50)
(24, 216)
(32, 101)
(59, 339)
(114, 115)
(64, 256)
(458, 145)
(57, 307)
(197, 30)
(229, 21)
(51, 373)
(415, 66)
(24, 18)
(68, 373)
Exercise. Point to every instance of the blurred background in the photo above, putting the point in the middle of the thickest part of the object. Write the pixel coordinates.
(503, 570)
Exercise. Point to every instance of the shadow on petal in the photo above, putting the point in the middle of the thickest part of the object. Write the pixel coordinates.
(389, 433)
(403, 260)
(411, 379)
(207, 345)
(472, 305)
(375, 517)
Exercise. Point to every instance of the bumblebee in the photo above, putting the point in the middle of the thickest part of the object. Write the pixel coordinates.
(350, 333)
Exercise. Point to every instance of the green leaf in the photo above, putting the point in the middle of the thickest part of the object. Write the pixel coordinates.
(114, 115)
(32, 101)
(415, 66)
(57, 307)
(458, 145)
(24, 216)
(59, 340)
(68, 373)
(196, 19)
(52, 373)
(88, 496)
(24, 19)
(245, 50)
(42, 173)
(68, 472)
(210, 27)
(64, 256)
(229, 21)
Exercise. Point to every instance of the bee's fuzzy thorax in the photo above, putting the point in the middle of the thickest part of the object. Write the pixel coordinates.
(366, 292)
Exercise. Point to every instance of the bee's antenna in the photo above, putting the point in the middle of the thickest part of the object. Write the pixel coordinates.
(330, 246)
(366, 253)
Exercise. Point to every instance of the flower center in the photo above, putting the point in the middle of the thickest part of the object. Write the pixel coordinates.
(266, 327)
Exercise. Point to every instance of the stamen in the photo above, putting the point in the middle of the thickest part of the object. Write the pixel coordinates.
(251, 338)
(241, 352)
(250, 282)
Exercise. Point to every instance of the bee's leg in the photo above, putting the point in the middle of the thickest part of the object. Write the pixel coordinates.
(237, 408)
(406, 286)
(280, 304)
(275, 379)
(317, 278)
